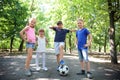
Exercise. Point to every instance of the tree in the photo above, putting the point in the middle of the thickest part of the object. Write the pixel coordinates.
(13, 15)
(114, 15)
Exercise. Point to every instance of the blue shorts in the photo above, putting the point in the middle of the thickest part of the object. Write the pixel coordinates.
(30, 45)
(83, 55)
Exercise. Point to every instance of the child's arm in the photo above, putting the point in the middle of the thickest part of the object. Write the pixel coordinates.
(53, 27)
(46, 41)
(76, 42)
(89, 41)
(73, 30)
(36, 44)
(22, 33)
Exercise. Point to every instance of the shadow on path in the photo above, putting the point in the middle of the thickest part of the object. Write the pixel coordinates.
(12, 68)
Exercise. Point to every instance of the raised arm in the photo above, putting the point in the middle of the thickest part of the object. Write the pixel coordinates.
(52, 27)
(73, 30)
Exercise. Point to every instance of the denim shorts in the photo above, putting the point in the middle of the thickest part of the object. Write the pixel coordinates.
(83, 55)
(57, 47)
(30, 45)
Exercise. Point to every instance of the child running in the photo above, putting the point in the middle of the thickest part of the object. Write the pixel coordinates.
(30, 40)
(81, 35)
(60, 35)
(41, 49)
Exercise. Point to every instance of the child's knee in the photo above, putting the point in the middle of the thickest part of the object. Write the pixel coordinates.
(30, 57)
(86, 60)
(57, 55)
(81, 60)
(61, 47)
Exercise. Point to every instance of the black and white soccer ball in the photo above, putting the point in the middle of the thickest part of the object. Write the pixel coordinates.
(63, 70)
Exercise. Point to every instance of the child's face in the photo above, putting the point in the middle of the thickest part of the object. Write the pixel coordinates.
(60, 26)
(80, 24)
(32, 23)
(41, 33)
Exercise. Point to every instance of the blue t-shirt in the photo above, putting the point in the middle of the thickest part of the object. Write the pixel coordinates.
(60, 34)
(82, 38)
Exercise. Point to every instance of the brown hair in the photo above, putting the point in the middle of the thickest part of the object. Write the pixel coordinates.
(41, 30)
(59, 22)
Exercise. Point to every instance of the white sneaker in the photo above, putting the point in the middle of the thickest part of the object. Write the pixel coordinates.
(45, 68)
(38, 68)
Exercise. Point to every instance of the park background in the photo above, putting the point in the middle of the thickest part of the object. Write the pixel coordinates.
(101, 17)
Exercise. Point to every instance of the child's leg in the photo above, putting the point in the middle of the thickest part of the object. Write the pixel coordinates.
(43, 60)
(82, 72)
(82, 65)
(29, 57)
(88, 66)
(57, 51)
(85, 55)
(81, 59)
(61, 49)
(61, 52)
(58, 58)
(37, 59)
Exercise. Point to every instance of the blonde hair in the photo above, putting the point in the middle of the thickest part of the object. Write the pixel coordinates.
(80, 20)
(31, 19)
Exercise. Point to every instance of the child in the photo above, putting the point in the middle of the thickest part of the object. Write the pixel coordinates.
(81, 35)
(59, 42)
(41, 49)
(30, 40)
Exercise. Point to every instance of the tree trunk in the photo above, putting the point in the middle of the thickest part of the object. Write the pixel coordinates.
(70, 47)
(119, 47)
(105, 43)
(21, 46)
(113, 53)
(11, 43)
(99, 48)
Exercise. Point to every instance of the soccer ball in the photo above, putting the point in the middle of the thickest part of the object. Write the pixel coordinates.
(63, 70)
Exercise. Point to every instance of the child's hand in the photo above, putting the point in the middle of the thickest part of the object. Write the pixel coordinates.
(73, 30)
(26, 40)
(87, 45)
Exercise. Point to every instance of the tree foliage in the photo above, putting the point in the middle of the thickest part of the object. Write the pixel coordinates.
(95, 13)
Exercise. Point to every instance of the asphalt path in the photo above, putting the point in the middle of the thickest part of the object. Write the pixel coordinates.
(12, 68)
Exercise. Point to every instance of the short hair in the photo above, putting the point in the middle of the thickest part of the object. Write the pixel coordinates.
(59, 22)
(80, 20)
(41, 30)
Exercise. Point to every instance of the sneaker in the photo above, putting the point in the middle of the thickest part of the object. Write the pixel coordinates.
(32, 69)
(28, 72)
(89, 75)
(62, 62)
(37, 68)
(58, 68)
(81, 73)
(45, 68)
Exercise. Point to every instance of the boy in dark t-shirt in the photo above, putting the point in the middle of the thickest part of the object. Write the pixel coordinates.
(60, 35)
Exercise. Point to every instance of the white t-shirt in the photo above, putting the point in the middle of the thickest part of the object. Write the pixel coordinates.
(41, 44)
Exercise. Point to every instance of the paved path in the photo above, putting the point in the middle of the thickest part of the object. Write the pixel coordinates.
(12, 68)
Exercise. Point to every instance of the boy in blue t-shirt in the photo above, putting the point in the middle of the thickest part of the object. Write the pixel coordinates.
(60, 35)
(82, 44)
